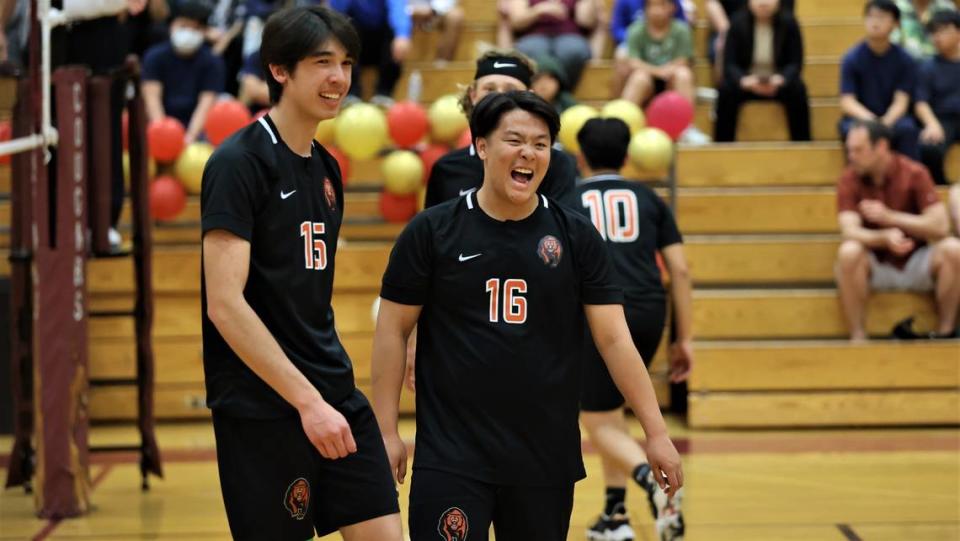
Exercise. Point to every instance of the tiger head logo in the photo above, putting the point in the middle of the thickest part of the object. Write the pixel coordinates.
(330, 194)
(453, 525)
(297, 498)
(550, 251)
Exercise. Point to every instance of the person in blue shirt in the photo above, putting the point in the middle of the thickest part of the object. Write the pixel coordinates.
(878, 80)
(938, 94)
(385, 28)
(182, 77)
(254, 92)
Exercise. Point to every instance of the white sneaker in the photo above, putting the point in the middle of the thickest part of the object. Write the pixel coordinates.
(114, 238)
(694, 137)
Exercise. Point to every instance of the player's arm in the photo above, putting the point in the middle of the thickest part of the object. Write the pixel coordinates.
(395, 323)
(226, 260)
(612, 338)
(681, 291)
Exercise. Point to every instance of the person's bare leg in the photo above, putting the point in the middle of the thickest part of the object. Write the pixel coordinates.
(621, 71)
(853, 283)
(953, 205)
(639, 87)
(608, 432)
(684, 84)
(451, 26)
(945, 267)
(385, 528)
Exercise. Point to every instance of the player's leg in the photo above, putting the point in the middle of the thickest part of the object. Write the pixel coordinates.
(945, 268)
(375, 529)
(525, 513)
(450, 507)
(853, 285)
(619, 453)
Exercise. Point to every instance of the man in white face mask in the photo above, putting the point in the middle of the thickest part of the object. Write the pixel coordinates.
(182, 77)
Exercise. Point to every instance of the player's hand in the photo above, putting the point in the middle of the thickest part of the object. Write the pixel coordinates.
(665, 462)
(397, 455)
(681, 361)
(400, 48)
(875, 211)
(932, 134)
(897, 242)
(328, 430)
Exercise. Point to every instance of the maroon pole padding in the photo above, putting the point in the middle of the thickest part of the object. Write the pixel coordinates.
(143, 268)
(60, 314)
(101, 163)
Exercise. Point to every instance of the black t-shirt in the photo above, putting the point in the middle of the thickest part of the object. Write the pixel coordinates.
(290, 209)
(636, 223)
(460, 171)
(499, 337)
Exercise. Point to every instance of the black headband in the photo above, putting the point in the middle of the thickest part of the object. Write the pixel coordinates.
(504, 65)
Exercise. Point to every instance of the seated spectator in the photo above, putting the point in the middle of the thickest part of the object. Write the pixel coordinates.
(763, 60)
(254, 92)
(445, 14)
(625, 12)
(953, 202)
(182, 77)
(894, 229)
(555, 28)
(915, 16)
(550, 83)
(719, 13)
(938, 94)
(878, 79)
(384, 27)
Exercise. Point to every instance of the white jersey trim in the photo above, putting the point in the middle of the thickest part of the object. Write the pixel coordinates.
(470, 199)
(266, 126)
(598, 178)
(546, 205)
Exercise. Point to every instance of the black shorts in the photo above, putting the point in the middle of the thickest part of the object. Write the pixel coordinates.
(449, 507)
(598, 392)
(277, 486)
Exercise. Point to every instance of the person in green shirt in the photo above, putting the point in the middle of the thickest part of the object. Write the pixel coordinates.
(913, 34)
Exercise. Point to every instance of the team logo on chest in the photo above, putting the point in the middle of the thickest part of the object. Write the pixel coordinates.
(329, 193)
(297, 498)
(550, 251)
(453, 525)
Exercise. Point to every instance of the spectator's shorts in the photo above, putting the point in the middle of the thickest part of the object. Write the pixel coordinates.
(914, 276)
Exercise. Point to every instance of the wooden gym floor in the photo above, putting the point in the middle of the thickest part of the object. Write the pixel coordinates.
(811, 485)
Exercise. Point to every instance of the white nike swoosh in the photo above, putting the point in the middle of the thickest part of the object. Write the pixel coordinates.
(469, 257)
(284, 195)
(498, 65)
(465, 192)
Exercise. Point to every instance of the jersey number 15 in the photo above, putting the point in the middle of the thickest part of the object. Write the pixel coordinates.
(614, 213)
(314, 248)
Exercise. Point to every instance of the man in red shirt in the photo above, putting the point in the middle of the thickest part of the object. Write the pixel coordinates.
(894, 229)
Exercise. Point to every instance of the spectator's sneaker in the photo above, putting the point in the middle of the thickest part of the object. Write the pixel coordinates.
(115, 240)
(615, 527)
(382, 101)
(694, 137)
(667, 512)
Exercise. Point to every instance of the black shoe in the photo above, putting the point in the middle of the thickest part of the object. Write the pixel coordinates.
(615, 527)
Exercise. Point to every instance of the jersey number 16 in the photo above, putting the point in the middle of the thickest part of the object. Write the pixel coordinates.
(514, 305)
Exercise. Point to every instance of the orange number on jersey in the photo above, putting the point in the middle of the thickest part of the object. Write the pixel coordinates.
(616, 217)
(514, 305)
(314, 249)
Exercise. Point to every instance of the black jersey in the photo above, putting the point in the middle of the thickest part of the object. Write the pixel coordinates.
(499, 337)
(461, 171)
(289, 208)
(636, 223)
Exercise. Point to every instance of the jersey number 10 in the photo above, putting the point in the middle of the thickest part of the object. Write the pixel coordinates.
(314, 249)
(614, 213)
(514, 306)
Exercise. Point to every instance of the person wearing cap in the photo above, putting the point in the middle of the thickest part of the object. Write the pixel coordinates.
(461, 171)
(182, 76)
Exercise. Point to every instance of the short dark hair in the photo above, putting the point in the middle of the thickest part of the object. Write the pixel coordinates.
(883, 5)
(195, 10)
(292, 34)
(604, 142)
(943, 17)
(875, 130)
(487, 114)
(674, 2)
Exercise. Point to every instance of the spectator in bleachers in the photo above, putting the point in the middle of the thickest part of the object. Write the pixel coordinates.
(254, 92)
(763, 60)
(385, 28)
(550, 83)
(182, 77)
(878, 80)
(915, 16)
(938, 94)
(624, 13)
(556, 28)
(719, 13)
(445, 14)
(14, 27)
(953, 203)
(894, 229)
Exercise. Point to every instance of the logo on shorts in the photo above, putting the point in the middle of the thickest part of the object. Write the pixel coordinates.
(297, 498)
(330, 194)
(453, 525)
(550, 251)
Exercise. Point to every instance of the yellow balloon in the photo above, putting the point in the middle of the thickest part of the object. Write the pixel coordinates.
(570, 123)
(151, 169)
(325, 131)
(402, 172)
(447, 120)
(361, 131)
(651, 150)
(626, 111)
(189, 165)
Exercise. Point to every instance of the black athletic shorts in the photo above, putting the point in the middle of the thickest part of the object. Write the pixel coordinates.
(449, 507)
(598, 392)
(277, 486)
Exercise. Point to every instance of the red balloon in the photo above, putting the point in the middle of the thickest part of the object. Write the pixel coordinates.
(224, 118)
(397, 208)
(168, 198)
(125, 130)
(670, 112)
(407, 122)
(465, 139)
(6, 132)
(165, 139)
(343, 161)
(429, 156)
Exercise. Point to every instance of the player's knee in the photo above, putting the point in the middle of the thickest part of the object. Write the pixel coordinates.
(851, 253)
